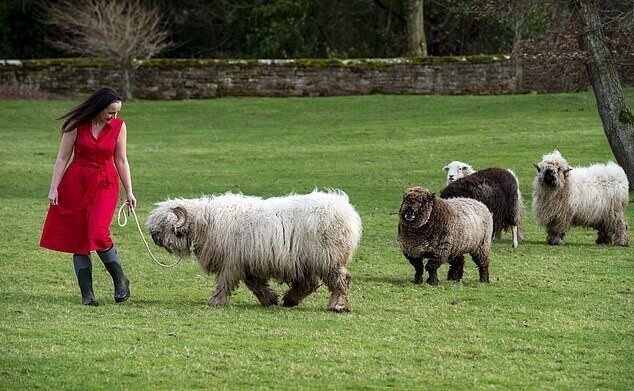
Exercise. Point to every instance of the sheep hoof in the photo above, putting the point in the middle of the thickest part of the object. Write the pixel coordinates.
(286, 302)
(216, 301)
(556, 241)
(339, 309)
(432, 281)
(454, 275)
(603, 238)
(273, 301)
(417, 280)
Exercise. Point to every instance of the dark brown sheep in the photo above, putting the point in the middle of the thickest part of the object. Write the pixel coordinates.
(443, 231)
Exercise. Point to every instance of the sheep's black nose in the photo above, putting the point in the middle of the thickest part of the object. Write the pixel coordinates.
(549, 178)
(409, 215)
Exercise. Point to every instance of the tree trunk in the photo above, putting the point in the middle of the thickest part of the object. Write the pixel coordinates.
(128, 75)
(618, 121)
(416, 28)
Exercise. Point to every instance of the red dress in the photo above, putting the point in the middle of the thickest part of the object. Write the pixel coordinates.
(87, 194)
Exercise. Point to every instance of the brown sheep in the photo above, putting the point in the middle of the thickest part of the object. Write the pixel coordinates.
(498, 189)
(443, 231)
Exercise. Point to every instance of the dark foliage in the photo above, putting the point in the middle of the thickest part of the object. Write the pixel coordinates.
(284, 29)
(21, 33)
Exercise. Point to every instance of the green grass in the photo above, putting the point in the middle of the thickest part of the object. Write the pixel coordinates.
(552, 318)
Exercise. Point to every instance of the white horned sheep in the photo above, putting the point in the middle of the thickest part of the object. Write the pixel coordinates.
(498, 189)
(295, 239)
(443, 231)
(594, 197)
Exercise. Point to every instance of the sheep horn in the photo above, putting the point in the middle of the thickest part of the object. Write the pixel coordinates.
(181, 213)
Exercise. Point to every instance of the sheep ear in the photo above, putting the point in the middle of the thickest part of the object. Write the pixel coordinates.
(567, 171)
(537, 167)
(446, 168)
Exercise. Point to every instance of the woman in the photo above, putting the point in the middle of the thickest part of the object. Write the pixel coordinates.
(84, 193)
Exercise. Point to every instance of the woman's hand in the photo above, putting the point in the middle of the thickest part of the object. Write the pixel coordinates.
(52, 196)
(131, 200)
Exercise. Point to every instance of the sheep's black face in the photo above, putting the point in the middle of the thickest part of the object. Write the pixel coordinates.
(416, 207)
(551, 174)
(550, 178)
(156, 237)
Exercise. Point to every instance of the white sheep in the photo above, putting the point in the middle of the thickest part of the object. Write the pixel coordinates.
(456, 170)
(297, 239)
(594, 196)
(443, 230)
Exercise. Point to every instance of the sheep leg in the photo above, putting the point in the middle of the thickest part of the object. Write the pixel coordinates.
(338, 282)
(419, 269)
(300, 289)
(456, 268)
(621, 238)
(555, 236)
(619, 230)
(515, 236)
(482, 262)
(603, 237)
(520, 233)
(432, 268)
(261, 290)
(224, 287)
(497, 233)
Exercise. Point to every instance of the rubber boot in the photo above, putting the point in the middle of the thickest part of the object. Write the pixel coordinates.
(110, 260)
(83, 271)
(84, 276)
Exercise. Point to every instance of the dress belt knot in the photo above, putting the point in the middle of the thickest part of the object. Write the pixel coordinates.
(101, 180)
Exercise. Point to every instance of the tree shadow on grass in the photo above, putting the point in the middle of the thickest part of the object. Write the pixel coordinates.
(28, 299)
(398, 281)
(568, 244)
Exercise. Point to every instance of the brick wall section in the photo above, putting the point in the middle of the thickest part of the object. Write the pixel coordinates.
(206, 78)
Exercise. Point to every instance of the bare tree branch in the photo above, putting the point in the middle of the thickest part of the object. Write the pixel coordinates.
(121, 30)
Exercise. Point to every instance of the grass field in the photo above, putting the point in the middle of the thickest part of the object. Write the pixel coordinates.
(552, 318)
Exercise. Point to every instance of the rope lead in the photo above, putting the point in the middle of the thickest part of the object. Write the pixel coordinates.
(125, 222)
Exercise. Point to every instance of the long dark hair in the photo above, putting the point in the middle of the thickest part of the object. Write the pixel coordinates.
(89, 108)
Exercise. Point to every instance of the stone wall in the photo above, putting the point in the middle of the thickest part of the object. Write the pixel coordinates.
(207, 78)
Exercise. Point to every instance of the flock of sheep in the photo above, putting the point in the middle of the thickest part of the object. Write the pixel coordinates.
(303, 240)
(443, 229)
